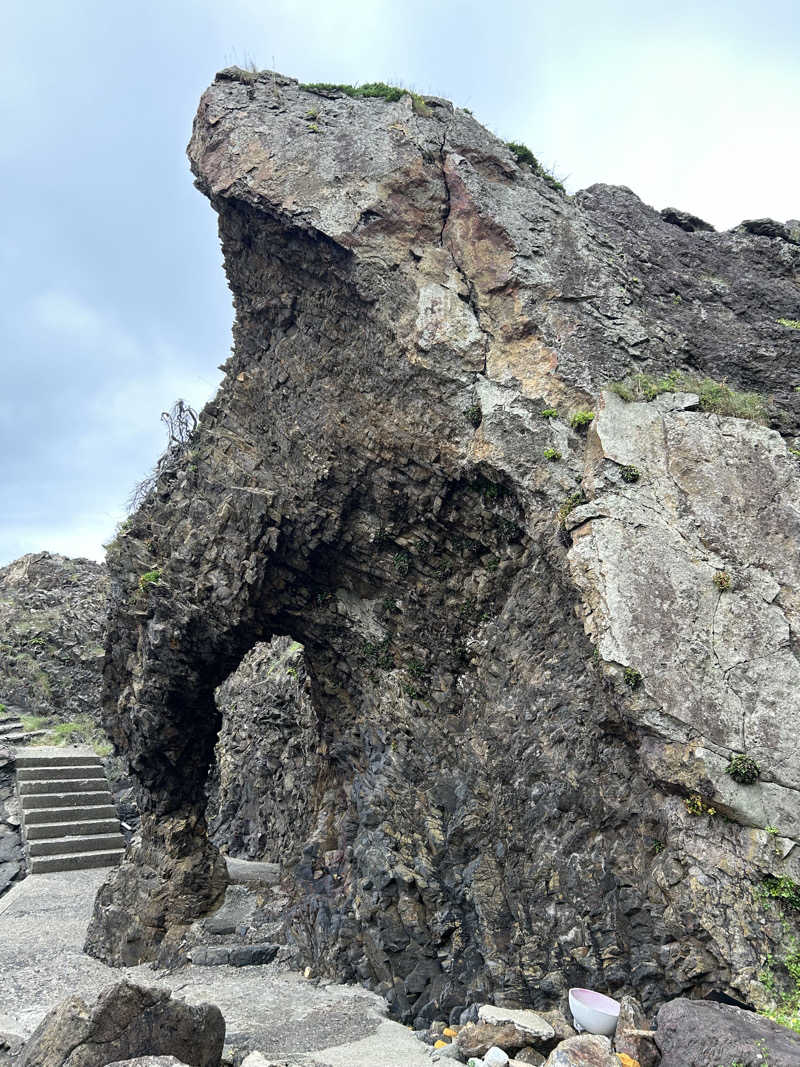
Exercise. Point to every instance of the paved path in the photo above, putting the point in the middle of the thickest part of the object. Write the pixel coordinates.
(43, 922)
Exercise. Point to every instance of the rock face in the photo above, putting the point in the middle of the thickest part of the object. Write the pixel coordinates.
(519, 663)
(127, 1021)
(52, 633)
(12, 852)
(694, 1034)
(261, 788)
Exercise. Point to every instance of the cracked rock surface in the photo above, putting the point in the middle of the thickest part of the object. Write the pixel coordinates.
(488, 808)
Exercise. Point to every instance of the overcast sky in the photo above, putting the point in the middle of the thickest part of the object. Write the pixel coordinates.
(114, 301)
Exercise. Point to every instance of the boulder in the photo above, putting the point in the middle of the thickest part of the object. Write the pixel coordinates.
(150, 1061)
(587, 1050)
(531, 1029)
(632, 1017)
(695, 1033)
(475, 1039)
(126, 1021)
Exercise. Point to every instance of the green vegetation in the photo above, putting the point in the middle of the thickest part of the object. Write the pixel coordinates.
(390, 93)
(552, 454)
(632, 677)
(474, 415)
(524, 155)
(723, 581)
(630, 474)
(787, 1008)
(580, 420)
(402, 563)
(549, 413)
(569, 505)
(79, 731)
(793, 324)
(743, 769)
(2, 709)
(149, 578)
(716, 397)
(783, 889)
(695, 805)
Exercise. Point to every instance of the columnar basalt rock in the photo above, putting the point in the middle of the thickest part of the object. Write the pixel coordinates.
(495, 809)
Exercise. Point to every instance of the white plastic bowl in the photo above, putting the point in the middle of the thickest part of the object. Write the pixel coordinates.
(594, 1012)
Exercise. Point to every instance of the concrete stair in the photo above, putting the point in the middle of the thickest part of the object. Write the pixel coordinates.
(69, 820)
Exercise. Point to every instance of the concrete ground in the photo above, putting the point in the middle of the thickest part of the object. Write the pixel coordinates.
(43, 922)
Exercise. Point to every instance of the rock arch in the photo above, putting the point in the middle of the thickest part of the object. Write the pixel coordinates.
(499, 813)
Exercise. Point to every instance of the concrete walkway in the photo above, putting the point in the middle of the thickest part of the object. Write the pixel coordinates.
(43, 922)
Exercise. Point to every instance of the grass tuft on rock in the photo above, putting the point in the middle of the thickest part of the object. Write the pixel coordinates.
(715, 397)
(390, 93)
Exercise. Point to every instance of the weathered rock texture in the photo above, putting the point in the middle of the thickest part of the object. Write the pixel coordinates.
(490, 811)
(692, 1034)
(261, 787)
(12, 852)
(52, 633)
(126, 1021)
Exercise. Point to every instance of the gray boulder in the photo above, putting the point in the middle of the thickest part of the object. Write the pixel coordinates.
(125, 1022)
(692, 1033)
(150, 1061)
(587, 1050)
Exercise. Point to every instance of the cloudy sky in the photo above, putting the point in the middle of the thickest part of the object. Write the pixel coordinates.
(114, 302)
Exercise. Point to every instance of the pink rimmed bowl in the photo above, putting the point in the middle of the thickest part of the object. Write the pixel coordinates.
(594, 1012)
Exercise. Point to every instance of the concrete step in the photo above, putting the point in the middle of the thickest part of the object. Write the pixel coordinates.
(54, 816)
(86, 799)
(65, 759)
(74, 861)
(47, 831)
(62, 772)
(89, 783)
(65, 845)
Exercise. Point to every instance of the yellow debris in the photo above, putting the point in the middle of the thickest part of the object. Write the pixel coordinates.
(450, 1032)
(626, 1060)
(440, 1044)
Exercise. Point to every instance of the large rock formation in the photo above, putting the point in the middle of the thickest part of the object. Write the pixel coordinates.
(52, 632)
(530, 652)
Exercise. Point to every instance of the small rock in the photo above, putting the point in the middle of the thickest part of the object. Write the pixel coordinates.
(449, 1052)
(475, 1039)
(561, 1025)
(495, 1057)
(253, 955)
(529, 1056)
(256, 1059)
(641, 1049)
(532, 1028)
(587, 1050)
